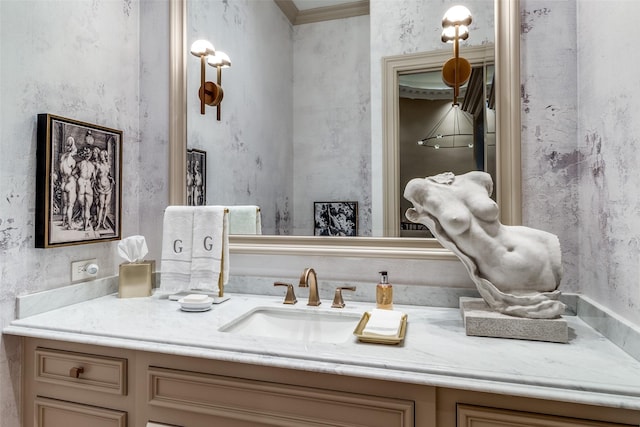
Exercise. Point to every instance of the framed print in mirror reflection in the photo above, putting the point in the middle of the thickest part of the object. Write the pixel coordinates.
(196, 177)
(78, 182)
(335, 218)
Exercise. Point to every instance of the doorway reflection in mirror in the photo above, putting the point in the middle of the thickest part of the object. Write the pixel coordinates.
(459, 138)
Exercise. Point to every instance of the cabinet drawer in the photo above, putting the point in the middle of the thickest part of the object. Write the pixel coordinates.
(84, 371)
(478, 416)
(264, 403)
(58, 413)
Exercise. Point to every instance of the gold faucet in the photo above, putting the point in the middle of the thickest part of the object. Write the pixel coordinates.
(310, 280)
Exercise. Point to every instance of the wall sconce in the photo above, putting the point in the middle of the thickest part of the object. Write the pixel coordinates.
(457, 70)
(210, 93)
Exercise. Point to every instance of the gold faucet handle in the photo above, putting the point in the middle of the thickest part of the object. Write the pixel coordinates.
(338, 302)
(290, 298)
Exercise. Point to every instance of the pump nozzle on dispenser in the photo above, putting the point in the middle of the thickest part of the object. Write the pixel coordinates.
(384, 292)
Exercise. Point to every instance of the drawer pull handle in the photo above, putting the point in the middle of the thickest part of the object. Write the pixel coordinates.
(75, 372)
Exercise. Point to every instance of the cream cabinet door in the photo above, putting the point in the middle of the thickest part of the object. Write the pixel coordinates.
(59, 413)
(257, 403)
(479, 416)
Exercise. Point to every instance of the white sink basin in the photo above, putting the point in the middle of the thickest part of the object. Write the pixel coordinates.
(295, 324)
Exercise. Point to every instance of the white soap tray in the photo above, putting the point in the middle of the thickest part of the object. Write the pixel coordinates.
(211, 294)
(391, 340)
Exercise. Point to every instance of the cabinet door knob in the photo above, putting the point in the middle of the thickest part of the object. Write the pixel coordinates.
(75, 372)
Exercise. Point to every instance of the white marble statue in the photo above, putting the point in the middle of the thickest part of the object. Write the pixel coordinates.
(516, 269)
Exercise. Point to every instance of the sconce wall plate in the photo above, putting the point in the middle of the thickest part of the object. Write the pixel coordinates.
(456, 70)
(213, 94)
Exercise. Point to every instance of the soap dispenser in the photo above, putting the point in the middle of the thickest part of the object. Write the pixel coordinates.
(384, 293)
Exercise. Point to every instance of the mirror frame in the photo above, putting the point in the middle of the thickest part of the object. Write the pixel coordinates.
(508, 161)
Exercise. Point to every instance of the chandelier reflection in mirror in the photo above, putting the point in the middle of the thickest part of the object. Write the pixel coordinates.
(455, 128)
(210, 93)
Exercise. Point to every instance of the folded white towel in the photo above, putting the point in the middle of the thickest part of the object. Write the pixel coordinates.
(383, 323)
(210, 259)
(177, 233)
(245, 220)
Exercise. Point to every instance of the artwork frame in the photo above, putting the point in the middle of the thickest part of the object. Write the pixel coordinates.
(335, 218)
(196, 179)
(78, 182)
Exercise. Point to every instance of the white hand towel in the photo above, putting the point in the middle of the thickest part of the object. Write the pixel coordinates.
(210, 259)
(245, 220)
(177, 234)
(383, 323)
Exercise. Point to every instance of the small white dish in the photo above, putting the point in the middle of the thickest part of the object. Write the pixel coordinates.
(195, 298)
(202, 305)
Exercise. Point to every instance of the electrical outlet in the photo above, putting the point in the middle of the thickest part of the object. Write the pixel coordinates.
(84, 270)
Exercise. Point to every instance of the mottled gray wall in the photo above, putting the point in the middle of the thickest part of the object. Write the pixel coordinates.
(608, 154)
(550, 160)
(579, 140)
(332, 119)
(249, 152)
(77, 59)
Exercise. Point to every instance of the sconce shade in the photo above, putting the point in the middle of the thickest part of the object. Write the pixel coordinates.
(456, 15)
(220, 59)
(202, 48)
(449, 33)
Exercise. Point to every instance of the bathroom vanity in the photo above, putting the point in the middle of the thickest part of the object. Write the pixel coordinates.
(127, 362)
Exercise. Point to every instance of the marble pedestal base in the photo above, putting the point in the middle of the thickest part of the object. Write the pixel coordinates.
(480, 320)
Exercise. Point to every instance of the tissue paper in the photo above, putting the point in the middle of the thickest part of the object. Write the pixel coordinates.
(136, 278)
(133, 248)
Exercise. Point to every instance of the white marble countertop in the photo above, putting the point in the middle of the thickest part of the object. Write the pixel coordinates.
(436, 351)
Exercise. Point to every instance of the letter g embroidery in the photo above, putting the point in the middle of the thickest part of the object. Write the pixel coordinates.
(207, 243)
(177, 246)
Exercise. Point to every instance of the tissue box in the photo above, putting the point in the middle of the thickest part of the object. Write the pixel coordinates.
(136, 279)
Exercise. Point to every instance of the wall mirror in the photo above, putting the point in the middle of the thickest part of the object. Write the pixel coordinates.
(507, 153)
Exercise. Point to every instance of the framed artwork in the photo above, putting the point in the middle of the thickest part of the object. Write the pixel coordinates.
(335, 218)
(196, 177)
(78, 182)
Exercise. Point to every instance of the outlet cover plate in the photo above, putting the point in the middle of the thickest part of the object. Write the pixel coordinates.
(79, 270)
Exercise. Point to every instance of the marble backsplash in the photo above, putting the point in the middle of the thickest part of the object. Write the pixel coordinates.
(39, 302)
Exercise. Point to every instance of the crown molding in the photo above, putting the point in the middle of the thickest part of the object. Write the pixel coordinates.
(346, 10)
